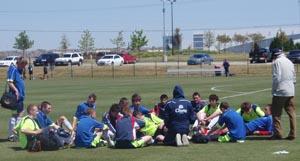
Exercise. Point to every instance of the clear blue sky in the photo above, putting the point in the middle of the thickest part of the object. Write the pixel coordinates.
(72, 16)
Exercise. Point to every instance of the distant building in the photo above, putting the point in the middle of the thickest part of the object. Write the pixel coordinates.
(198, 41)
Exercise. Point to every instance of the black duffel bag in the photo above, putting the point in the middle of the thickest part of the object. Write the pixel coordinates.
(8, 99)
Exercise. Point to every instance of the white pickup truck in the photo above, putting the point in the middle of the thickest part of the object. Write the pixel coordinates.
(8, 61)
(70, 59)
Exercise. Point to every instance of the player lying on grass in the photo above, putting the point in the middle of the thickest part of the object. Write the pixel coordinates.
(150, 125)
(262, 125)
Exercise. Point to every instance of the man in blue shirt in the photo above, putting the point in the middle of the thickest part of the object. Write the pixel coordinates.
(178, 116)
(44, 120)
(233, 122)
(136, 104)
(83, 107)
(88, 133)
(16, 86)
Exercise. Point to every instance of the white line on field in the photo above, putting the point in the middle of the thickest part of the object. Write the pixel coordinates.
(216, 89)
(240, 93)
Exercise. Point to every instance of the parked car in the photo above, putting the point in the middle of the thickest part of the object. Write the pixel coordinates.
(294, 56)
(111, 59)
(128, 58)
(261, 56)
(8, 61)
(70, 59)
(200, 58)
(47, 58)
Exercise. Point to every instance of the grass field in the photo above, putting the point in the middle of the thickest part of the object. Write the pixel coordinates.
(66, 94)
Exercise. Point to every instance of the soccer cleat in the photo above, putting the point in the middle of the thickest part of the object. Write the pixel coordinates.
(185, 140)
(178, 140)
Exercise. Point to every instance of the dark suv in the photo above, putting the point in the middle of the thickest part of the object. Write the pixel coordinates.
(294, 56)
(48, 58)
(260, 56)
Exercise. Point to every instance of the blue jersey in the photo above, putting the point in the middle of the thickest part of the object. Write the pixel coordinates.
(82, 109)
(85, 131)
(140, 108)
(43, 120)
(179, 112)
(124, 129)
(260, 124)
(15, 75)
(235, 124)
(197, 106)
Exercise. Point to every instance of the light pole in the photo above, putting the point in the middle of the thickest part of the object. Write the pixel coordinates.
(299, 10)
(172, 38)
(165, 58)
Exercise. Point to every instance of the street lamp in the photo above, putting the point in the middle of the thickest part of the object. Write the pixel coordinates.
(172, 38)
(165, 58)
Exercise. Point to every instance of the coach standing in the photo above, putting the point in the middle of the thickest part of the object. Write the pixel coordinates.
(283, 91)
(16, 85)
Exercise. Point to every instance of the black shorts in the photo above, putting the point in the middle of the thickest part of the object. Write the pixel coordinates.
(125, 144)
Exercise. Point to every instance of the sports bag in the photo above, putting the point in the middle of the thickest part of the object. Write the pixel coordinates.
(8, 99)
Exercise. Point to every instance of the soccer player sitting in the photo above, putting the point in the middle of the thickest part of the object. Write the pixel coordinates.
(206, 125)
(110, 119)
(159, 108)
(89, 131)
(197, 102)
(234, 124)
(126, 137)
(136, 104)
(250, 111)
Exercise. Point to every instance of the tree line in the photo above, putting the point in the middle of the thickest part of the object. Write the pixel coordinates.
(139, 40)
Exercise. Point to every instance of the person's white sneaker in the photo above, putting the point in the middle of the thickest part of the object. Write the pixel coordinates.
(178, 140)
(185, 140)
(110, 142)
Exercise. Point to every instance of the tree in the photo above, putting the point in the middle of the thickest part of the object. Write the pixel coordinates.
(256, 37)
(138, 40)
(118, 41)
(282, 41)
(240, 39)
(177, 39)
(223, 39)
(86, 43)
(209, 39)
(64, 43)
(22, 42)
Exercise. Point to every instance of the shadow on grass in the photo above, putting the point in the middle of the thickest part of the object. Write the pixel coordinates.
(15, 148)
(3, 140)
(258, 138)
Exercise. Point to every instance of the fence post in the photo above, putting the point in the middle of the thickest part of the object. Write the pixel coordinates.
(113, 70)
(155, 68)
(71, 70)
(134, 70)
(177, 64)
(92, 67)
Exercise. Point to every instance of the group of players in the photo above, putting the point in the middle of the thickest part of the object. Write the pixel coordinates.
(175, 121)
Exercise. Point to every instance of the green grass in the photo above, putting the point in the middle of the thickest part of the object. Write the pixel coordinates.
(66, 94)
